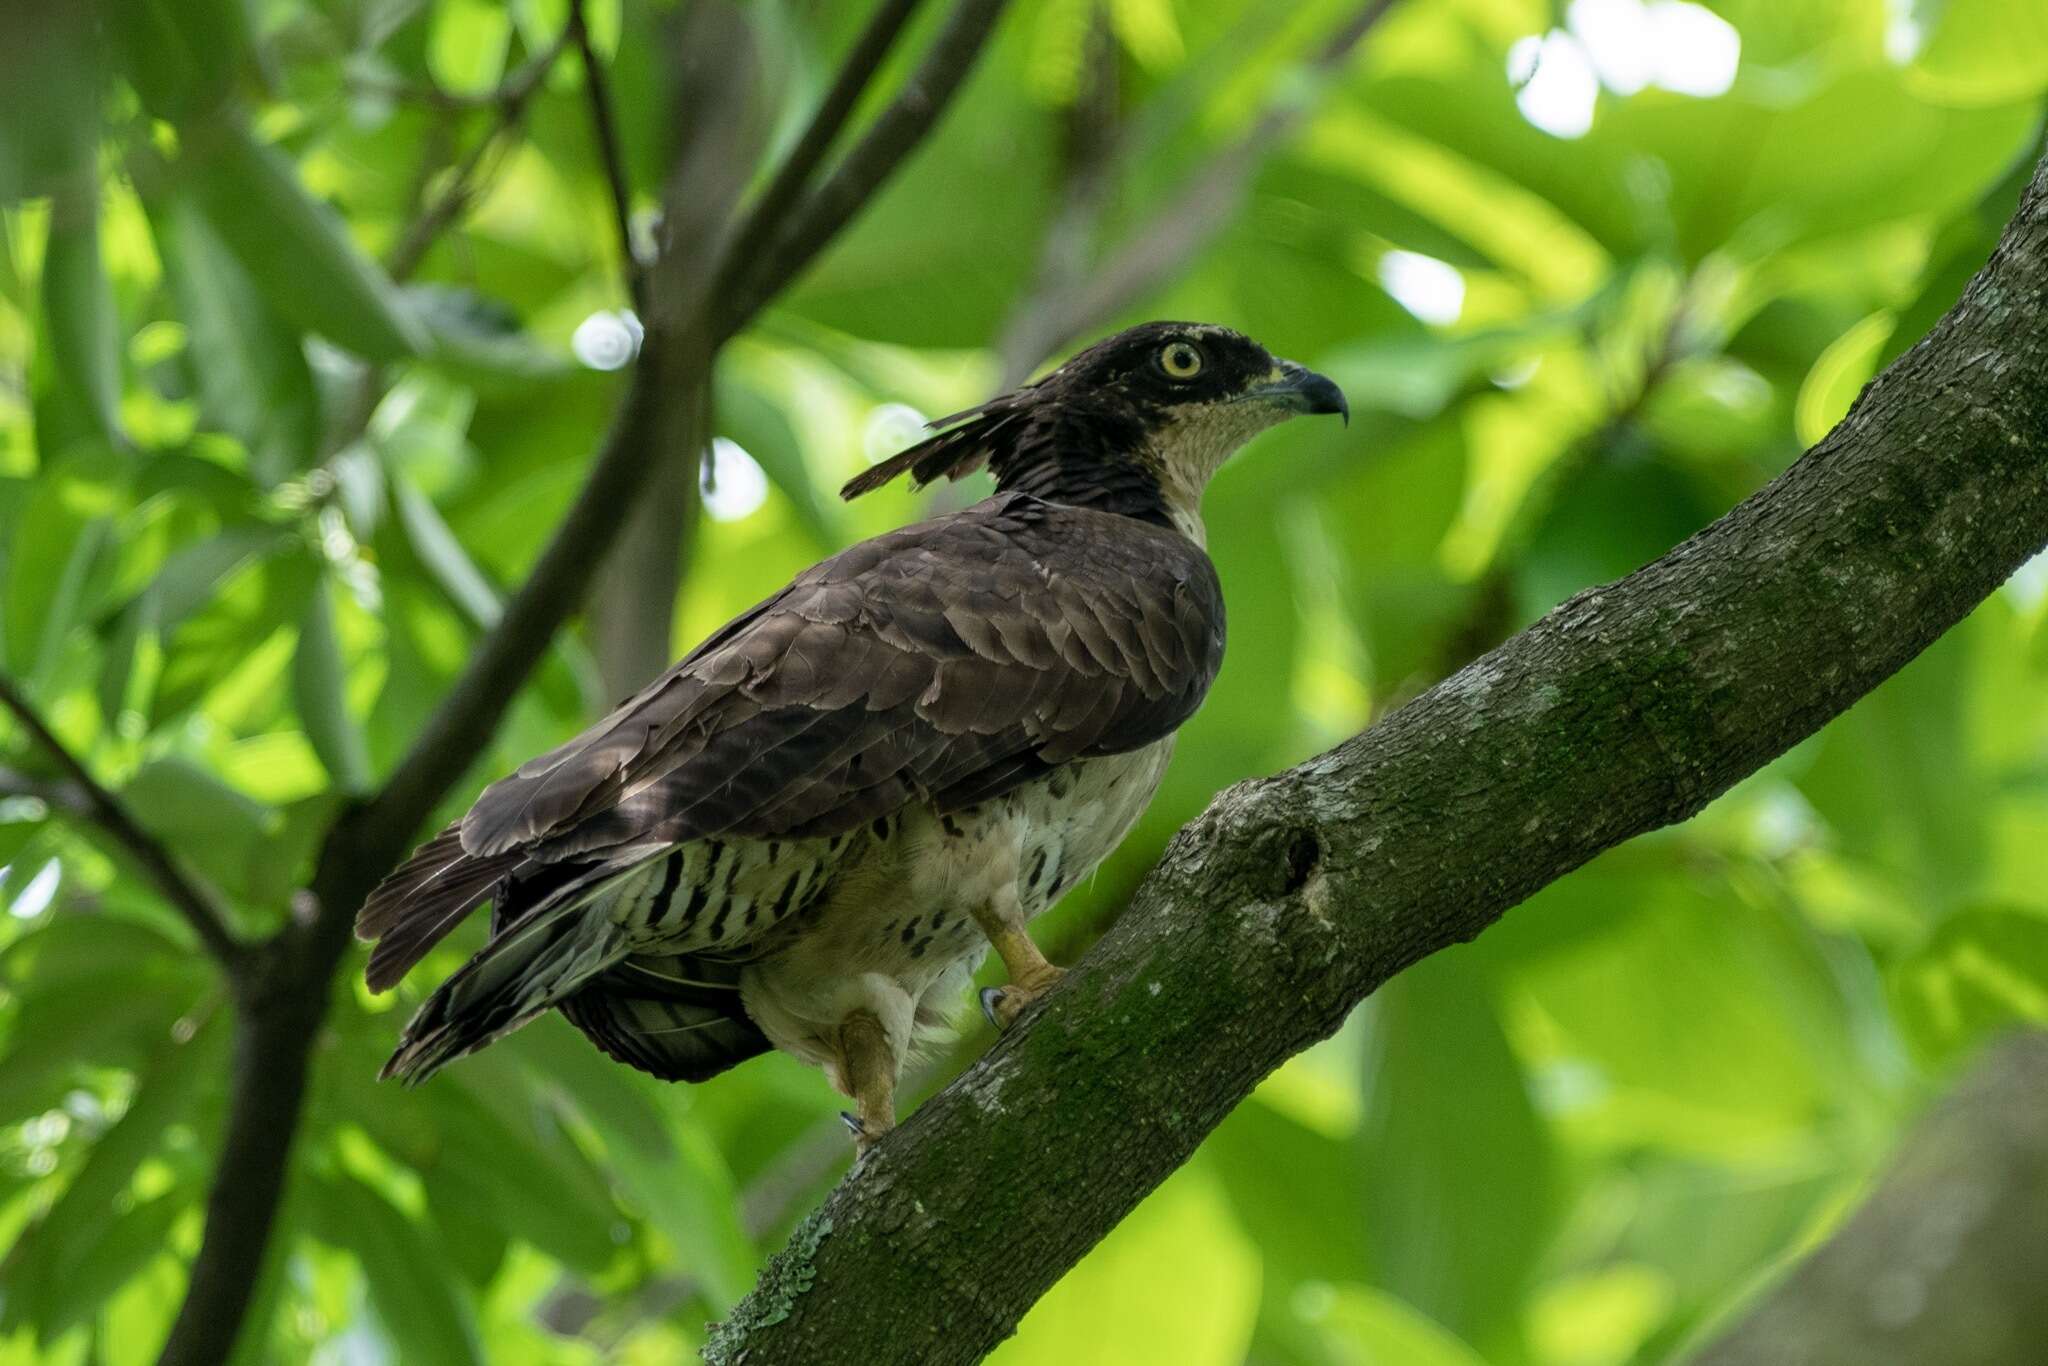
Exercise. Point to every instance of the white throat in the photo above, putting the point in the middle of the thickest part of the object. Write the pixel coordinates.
(1187, 452)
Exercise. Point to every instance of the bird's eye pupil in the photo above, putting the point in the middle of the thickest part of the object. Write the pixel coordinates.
(1180, 360)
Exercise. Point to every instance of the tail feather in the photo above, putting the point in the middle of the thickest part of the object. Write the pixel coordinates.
(535, 964)
(416, 907)
(677, 1016)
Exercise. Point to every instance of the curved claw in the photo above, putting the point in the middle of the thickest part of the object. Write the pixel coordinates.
(991, 1002)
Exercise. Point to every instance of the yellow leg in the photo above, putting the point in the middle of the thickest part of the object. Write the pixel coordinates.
(1031, 974)
(868, 1066)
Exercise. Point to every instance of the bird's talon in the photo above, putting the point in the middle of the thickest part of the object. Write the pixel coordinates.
(1002, 1005)
(854, 1126)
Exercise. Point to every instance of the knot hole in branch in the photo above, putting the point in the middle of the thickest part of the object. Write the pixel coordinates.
(1304, 851)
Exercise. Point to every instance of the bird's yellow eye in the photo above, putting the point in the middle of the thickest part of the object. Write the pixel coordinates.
(1180, 360)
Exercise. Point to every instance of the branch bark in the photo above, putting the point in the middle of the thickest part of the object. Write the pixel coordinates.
(1291, 899)
(1941, 1266)
(186, 893)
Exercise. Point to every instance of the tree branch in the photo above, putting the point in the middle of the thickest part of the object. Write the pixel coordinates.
(190, 897)
(1941, 1266)
(1291, 899)
(604, 127)
(509, 99)
(1161, 246)
(889, 140)
(766, 216)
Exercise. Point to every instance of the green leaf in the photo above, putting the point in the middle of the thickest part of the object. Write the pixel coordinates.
(1362, 1326)
(1982, 970)
(61, 610)
(294, 247)
(762, 430)
(691, 1197)
(84, 328)
(248, 362)
(409, 1288)
(478, 341)
(191, 576)
(121, 1248)
(71, 1249)
(180, 55)
(319, 688)
(1983, 52)
(90, 991)
(443, 555)
(612, 1099)
(1458, 1165)
(469, 1227)
(467, 44)
(1840, 373)
(1177, 1282)
(219, 830)
(50, 79)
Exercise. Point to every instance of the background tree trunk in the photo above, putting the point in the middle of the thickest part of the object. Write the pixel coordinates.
(1942, 1266)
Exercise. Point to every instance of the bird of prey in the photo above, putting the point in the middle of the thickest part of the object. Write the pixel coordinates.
(807, 833)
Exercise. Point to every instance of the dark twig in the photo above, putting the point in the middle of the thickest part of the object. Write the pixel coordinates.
(510, 100)
(1161, 246)
(604, 127)
(516, 86)
(196, 902)
(765, 218)
(889, 140)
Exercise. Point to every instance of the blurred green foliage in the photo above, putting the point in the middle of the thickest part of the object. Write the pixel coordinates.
(258, 497)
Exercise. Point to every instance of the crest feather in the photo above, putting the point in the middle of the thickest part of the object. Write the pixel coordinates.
(963, 442)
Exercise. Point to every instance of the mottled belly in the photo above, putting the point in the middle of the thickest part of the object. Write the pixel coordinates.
(896, 932)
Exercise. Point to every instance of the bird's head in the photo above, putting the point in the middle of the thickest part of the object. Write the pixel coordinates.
(1137, 423)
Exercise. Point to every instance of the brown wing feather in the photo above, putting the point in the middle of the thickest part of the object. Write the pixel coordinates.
(900, 669)
(947, 662)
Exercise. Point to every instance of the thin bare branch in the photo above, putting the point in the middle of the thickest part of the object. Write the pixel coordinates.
(195, 901)
(765, 218)
(604, 127)
(510, 100)
(516, 86)
(895, 133)
(1161, 246)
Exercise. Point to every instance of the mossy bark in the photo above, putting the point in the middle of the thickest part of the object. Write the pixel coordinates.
(1292, 898)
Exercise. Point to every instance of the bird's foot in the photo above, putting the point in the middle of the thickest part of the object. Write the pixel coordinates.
(1002, 1005)
(866, 1133)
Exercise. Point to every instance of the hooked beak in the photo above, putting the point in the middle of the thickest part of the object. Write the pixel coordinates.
(1302, 389)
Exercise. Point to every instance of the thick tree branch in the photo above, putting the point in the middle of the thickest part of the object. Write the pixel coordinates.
(1941, 1266)
(889, 140)
(190, 897)
(1290, 900)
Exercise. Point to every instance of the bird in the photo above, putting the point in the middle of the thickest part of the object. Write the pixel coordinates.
(808, 833)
